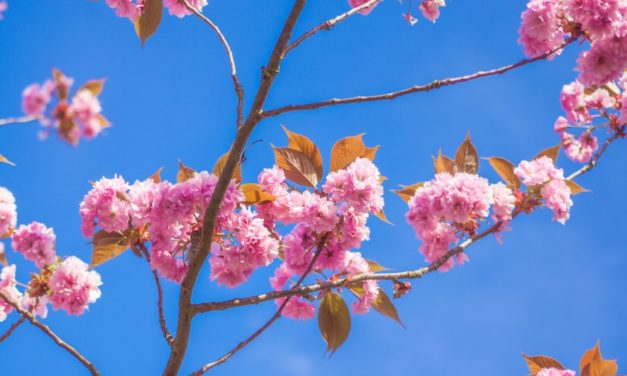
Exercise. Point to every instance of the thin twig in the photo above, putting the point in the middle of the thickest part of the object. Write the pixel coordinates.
(239, 89)
(414, 89)
(162, 323)
(18, 120)
(44, 328)
(411, 274)
(329, 24)
(274, 317)
(13, 326)
(269, 73)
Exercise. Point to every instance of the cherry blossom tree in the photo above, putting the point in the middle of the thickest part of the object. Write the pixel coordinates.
(305, 224)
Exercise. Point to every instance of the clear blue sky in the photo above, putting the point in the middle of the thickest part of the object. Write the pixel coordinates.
(548, 289)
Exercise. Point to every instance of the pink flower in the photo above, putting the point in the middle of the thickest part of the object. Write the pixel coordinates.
(365, 11)
(599, 18)
(600, 99)
(142, 195)
(365, 300)
(504, 202)
(37, 306)
(35, 99)
(431, 9)
(36, 243)
(555, 372)
(623, 110)
(297, 308)
(538, 171)
(556, 196)
(282, 274)
(3, 7)
(605, 61)
(7, 286)
(574, 104)
(85, 109)
(409, 18)
(178, 9)
(579, 150)
(358, 186)
(227, 267)
(124, 8)
(272, 180)
(73, 287)
(561, 124)
(541, 31)
(8, 212)
(106, 203)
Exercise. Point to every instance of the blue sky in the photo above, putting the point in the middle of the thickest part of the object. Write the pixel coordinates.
(549, 289)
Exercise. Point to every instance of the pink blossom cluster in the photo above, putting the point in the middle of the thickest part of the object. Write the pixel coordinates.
(550, 371)
(541, 173)
(583, 106)
(3, 7)
(331, 222)
(430, 9)
(132, 9)
(73, 287)
(8, 212)
(72, 118)
(603, 23)
(448, 206)
(36, 243)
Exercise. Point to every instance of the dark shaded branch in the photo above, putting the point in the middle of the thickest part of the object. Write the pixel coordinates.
(269, 73)
(274, 317)
(239, 89)
(44, 328)
(329, 24)
(414, 89)
(162, 323)
(12, 328)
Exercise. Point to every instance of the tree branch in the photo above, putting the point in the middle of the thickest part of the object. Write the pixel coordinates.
(269, 73)
(12, 328)
(414, 89)
(162, 323)
(239, 89)
(411, 274)
(18, 120)
(50, 334)
(329, 24)
(274, 317)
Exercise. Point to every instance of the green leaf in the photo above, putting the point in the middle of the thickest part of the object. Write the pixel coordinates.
(148, 22)
(334, 321)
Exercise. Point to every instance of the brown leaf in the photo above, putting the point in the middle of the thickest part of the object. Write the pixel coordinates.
(551, 152)
(148, 22)
(4, 160)
(505, 169)
(375, 266)
(384, 306)
(254, 195)
(104, 123)
(108, 245)
(466, 158)
(156, 177)
(575, 188)
(219, 167)
(346, 150)
(536, 363)
(334, 321)
(62, 90)
(593, 364)
(3, 258)
(443, 164)
(306, 146)
(297, 166)
(407, 191)
(185, 173)
(381, 215)
(95, 86)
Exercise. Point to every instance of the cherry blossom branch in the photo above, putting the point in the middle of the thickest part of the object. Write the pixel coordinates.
(44, 328)
(269, 73)
(239, 89)
(162, 323)
(437, 84)
(271, 321)
(329, 24)
(411, 274)
(18, 120)
(12, 328)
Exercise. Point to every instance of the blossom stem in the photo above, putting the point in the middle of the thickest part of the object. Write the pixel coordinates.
(18, 120)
